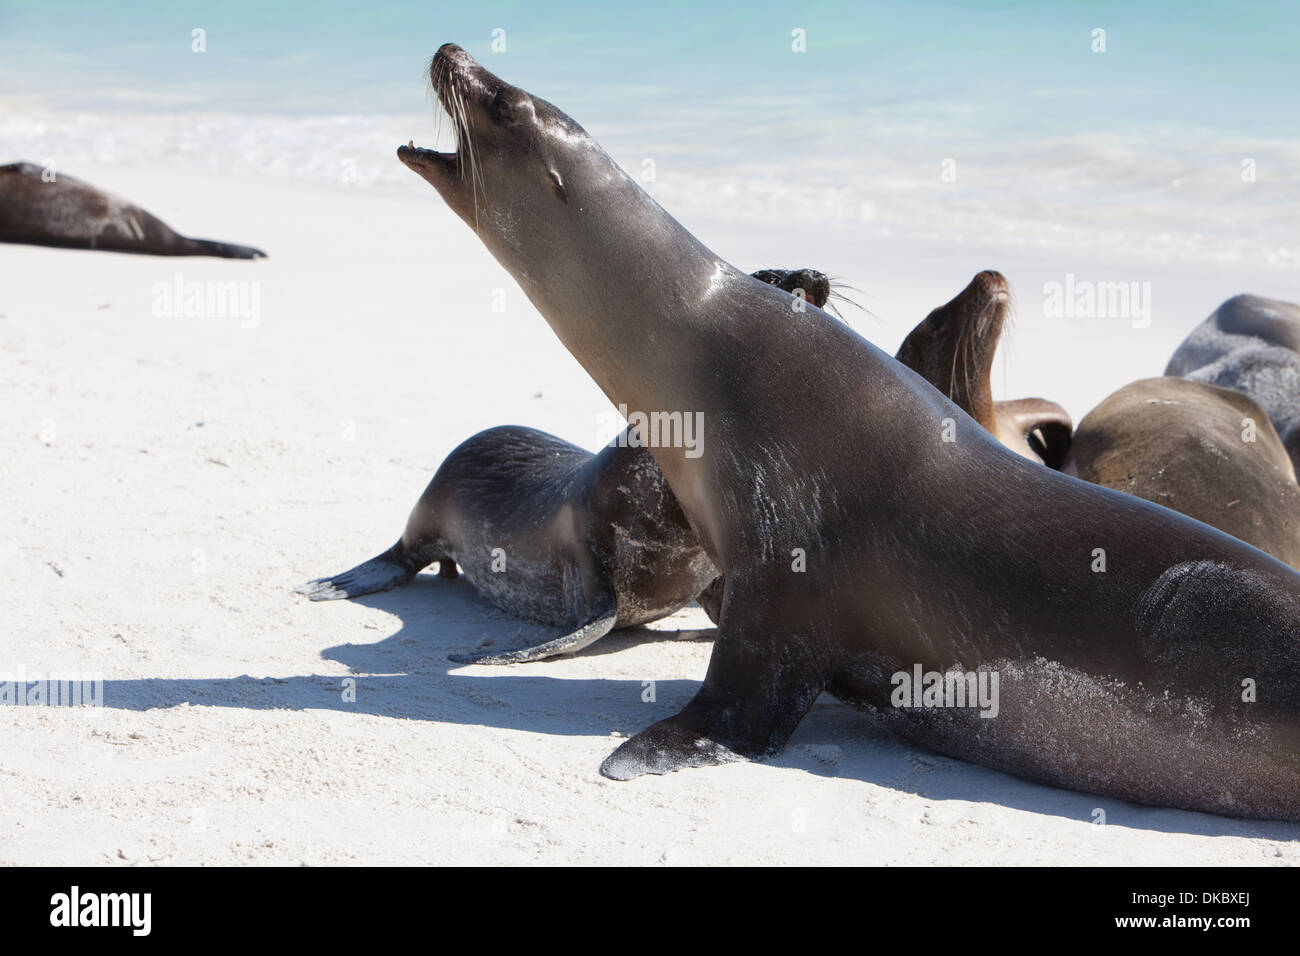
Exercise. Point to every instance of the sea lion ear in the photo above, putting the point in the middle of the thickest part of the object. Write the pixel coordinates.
(557, 184)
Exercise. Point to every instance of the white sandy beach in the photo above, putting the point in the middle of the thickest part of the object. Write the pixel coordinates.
(169, 480)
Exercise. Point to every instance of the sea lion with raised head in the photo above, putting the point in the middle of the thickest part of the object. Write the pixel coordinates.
(1252, 345)
(66, 212)
(953, 348)
(1208, 452)
(1122, 633)
(549, 532)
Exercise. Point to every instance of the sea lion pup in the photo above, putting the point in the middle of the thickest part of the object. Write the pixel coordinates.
(1250, 344)
(807, 284)
(1206, 451)
(549, 532)
(953, 348)
(1139, 653)
(72, 214)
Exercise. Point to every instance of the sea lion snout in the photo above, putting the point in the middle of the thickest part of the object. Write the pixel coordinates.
(453, 64)
(983, 306)
(450, 56)
(993, 284)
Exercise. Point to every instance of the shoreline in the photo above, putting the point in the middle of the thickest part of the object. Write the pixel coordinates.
(1161, 198)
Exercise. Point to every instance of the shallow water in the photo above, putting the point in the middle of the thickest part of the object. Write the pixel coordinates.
(998, 123)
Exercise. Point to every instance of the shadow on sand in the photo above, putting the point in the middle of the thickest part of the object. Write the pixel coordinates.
(407, 676)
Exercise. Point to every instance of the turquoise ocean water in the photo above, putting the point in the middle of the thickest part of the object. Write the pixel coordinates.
(1050, 139)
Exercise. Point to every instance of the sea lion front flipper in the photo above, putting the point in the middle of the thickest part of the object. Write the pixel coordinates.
(1045, 426)
(570, 643)
(754, 695)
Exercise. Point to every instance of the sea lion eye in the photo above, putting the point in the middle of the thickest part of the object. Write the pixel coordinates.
(502, 109)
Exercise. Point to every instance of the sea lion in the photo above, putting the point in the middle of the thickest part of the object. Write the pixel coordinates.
(69, 213)
(549, 532)
(473, 491)
(1121, 672)
(953, 348)
(807, 284)
(1208, 452)
(1250, 344)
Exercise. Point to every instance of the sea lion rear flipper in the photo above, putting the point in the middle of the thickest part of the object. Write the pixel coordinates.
(570, 643)
(223, 250)
(754, 695)
(391, 569)
(1045, 426)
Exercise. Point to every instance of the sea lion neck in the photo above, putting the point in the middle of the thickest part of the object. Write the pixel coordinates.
(975, 397)
(621, 286)
(961, 375)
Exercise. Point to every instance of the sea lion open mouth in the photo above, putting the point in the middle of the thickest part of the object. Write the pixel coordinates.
(445, 71)
(501, 132)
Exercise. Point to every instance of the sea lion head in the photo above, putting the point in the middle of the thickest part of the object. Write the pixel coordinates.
(953, 350)
(953, 347)
(815, 286)
(514, 158)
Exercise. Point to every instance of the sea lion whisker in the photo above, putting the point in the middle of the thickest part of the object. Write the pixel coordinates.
(856, 304)
(475, 171)
(957, 353)
(465, 141)
(972, 357)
